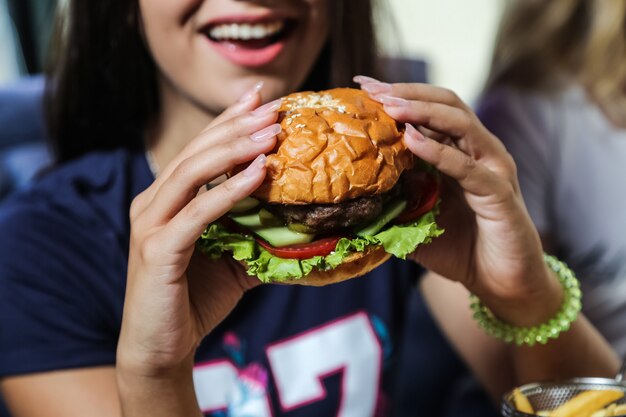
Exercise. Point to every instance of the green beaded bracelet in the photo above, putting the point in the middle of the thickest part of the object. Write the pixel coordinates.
(541, 333)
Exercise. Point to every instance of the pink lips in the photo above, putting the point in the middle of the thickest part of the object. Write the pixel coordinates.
(248, 57)
(238, 53)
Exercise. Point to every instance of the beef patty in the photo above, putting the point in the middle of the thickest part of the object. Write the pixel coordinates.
(323, 218)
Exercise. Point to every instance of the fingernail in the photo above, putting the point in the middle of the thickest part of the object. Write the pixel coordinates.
(270, 107)
(391, 101)
(362, 79)
(251, 92)
(376, 88)
(255, 166)
(266, 134)
(412, 132)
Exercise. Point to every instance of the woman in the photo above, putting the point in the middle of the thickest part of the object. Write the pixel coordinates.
(557, 99)
(195, 336)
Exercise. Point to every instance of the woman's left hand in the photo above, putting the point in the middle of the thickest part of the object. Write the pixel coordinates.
(490, 244)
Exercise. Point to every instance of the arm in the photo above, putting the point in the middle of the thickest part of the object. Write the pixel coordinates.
(448, 302)
(449, 305)
(72, 393)
(490, 245)
(174, 296)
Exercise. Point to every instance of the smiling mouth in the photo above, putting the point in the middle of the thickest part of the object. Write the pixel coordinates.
(250, 35)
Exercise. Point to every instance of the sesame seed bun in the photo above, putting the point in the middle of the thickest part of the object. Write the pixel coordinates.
(335, 145)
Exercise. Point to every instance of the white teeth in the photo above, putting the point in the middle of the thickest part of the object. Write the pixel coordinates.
(246, 31)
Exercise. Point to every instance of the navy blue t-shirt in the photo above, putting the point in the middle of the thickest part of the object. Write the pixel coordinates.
(284, 350)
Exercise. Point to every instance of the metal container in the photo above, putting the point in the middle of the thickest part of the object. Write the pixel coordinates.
(548, 396)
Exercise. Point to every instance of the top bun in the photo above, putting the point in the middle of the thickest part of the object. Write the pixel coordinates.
(335, 145)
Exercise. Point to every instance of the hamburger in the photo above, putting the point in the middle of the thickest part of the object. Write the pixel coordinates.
(342, 194)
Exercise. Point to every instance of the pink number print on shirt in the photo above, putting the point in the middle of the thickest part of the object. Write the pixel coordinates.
(299, 364)
(348, 345)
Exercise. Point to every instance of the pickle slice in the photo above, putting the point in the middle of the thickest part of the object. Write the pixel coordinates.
(301, 228)
(390, 212)
(268, 219)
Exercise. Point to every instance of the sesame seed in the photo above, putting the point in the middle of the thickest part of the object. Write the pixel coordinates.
(315, 101)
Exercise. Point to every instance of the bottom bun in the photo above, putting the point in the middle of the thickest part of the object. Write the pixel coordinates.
(354, 265)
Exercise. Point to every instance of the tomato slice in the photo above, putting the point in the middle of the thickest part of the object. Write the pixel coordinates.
(423, 204)
(320, 247)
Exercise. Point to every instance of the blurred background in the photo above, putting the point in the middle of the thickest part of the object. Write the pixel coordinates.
(454, 38)
(25, 27)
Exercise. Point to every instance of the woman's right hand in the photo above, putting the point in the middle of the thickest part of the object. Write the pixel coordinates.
(175, 296)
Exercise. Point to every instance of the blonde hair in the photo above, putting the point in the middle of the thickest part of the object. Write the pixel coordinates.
(543, 44)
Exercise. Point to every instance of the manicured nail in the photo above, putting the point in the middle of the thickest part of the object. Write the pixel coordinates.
(266, 134)
(391, 101)
(251, 92)
(362, 79)
(268, 108)
(376, 88)
(413, 133)
(255, 166)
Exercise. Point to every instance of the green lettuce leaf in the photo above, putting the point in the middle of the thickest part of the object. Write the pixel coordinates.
(399, 240)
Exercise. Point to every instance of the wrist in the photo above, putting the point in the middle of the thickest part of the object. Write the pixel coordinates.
(139, 363)
(532, 307)
(145, 390)
(522, 327)
(135, 356)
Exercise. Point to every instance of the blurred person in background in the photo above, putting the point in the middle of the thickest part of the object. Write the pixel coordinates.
(105, 307)
(557, 99)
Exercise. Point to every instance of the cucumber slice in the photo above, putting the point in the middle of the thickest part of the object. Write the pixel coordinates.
(250, 220)
(282, 236)
(275, 235)
(244, 205)
(390, 212)
(241, 206)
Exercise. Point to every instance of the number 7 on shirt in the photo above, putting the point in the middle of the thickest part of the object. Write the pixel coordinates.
(349, 346)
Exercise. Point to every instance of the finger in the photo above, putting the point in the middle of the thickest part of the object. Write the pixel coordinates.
(428, 92)
(463, 127)
(243, 125)
(190, 222)
(411, 91)
(193, 173)
(362, 79)
(239, 126)
(442, 118)
(473, 176)
(247, 102)
(432, 134)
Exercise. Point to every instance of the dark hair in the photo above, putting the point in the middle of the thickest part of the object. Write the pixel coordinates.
(102, 89)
